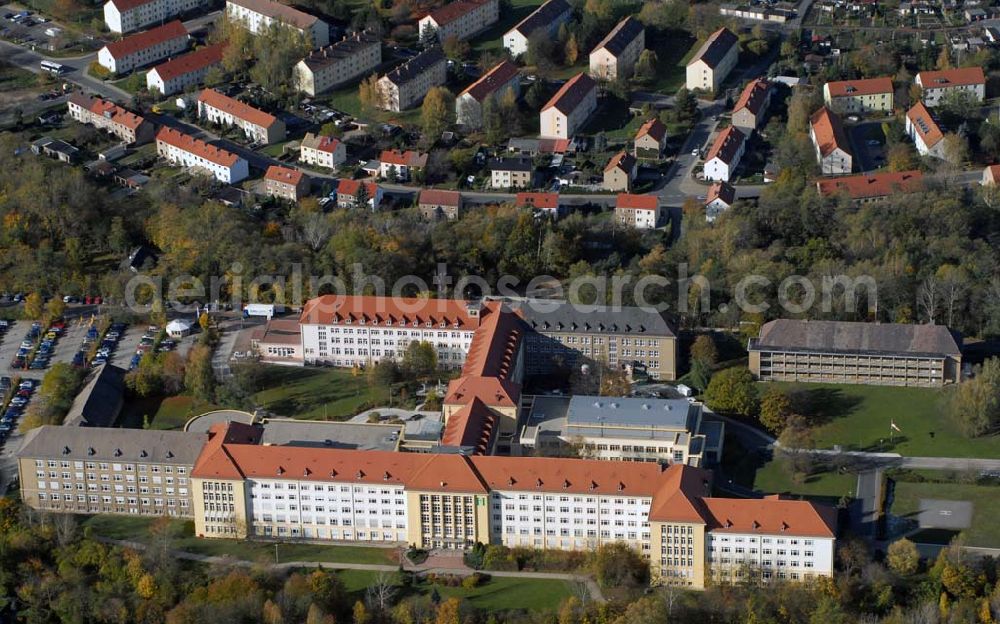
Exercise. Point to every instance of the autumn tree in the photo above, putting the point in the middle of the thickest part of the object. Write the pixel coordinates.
(199, 377)
(618, 565)
(975, 403)
(571, 51)
(956, 149)
(775, 409)
(903, 557)
(420, 360)
(733, 391)
(437, 113)
(645, 67)
(33, 305)
(703, 350)
(370, 94)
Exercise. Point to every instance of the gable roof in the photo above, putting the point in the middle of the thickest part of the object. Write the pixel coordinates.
(108, 109)
(571, 94)
(453, 11)
(955, 77)
(753, 96)
(440, 197)
(128, 5)
(771, 515)
(542, 17)
(320, 142)
(236, 108)
(114, 444)
(495, 343)
(993, 173)
(409, 158)
(141, 41)
(870, 185)
(351, 187)
(622, 160)
(498, 77)
(726, 145)
(278, 11)
(637, 202)
(195, 146)
(924, 124)
(284, 175)
(345, 48)
(331, 309)
(857, 337)
(471, 426)
(653, 128)
(722, 191)
(715, 48)
(621, 36)
(865, 86)
(828, 132)
(416, 66)
(190, 62)
(493, 391)
(542, 201)
(100, 401)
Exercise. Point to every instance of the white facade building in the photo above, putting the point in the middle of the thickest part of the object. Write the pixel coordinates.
(322, 151)
(124, 16)
(774, 557)
(258, 15)
(186, 151)
(143, 48)
(548, 18)
(724, 157)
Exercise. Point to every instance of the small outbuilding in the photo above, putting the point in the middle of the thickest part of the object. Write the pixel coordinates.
(178, 328)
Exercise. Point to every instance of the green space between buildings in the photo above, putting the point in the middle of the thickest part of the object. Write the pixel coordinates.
(985, 499)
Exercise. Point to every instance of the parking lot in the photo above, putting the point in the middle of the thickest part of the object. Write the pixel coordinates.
(38, 32)
(945, 514)
(868, 142)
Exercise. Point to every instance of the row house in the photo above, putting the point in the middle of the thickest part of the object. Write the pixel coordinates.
(186, 151)
(406, 86)
(750, 109)
(258, 16)
(458, 20)
(125, 125)
(569, 109)
(319, 150)
(285, 183)
(937, 85)
(867, 188)
(642, 212)
(925, 131)
(713, 61)
(436, 204)
(725, 154)
(547, 18)
(338, 63)
(401, 166)
(859, 96)
(833, 151)
(257, 126)
(125, 16)
(502, 79)
(184, 72)
(615, 56)
(620, 172)
(144, 48)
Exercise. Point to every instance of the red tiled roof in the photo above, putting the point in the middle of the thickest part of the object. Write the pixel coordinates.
(924, 124)
(622, 160)
(470, 426)
(332, 309)
(284, 175)
(453, 11)
(851, 88)
(141, 41)
(547, 201)
(128, 5)
(234, 107)
(723, 191)
(409, 158)
(637, 202)
(350, 187)
(956, 77)
(829, 132)
(320, 142)
(285, 13)
(440, 198)
(494, 346)
(492, 391)
(195, 146)
(771, 516)
(726, 145)
(105, 108)
(495, 79)
(190, 62)
(654, 128)
(994, 173)
(569, 96)
(867, 186)
(753, 97)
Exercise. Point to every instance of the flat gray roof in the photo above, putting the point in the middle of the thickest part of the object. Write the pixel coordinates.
(113, 445)
(340, 435)
(675, 414)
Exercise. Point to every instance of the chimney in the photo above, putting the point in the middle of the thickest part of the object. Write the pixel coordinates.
(473, 308)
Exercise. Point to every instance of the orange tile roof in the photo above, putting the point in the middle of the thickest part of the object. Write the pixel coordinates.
(576, 476)
(190, 62)
(502, 74)
(956, 77)
(276, 10)
(654, 128)
(753, 97)
(542, 201)
(448, 473)
(284, 175)
(335, 309)
(450, 12)
(471, 426)
(726, 145)
(350, 187)
(622, 160)
(723, 191)
(637, 202)
(867, 86)
(994, 173)
(141, 41)
(495, 343)
(234, 107)
(771, 515)
(829, 132)
(195, 146)
(569, 96)
(106, 108)
(409, 158)
(128, 5)
(924, 124)
(439, 197)
(320, 142)
(678, 495)
(868, 186)
(493, 391)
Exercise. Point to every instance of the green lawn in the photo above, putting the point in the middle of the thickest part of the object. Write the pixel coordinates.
(858, 417)
(497, 594)
(673, 50)
(492, 38)
(317, 394)
(13, 77)
(348, 101)
(985, 530)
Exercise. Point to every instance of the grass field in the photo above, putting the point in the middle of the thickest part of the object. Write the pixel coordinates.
(858, 417)
(317, 394)
(13, 77)
(985, 530)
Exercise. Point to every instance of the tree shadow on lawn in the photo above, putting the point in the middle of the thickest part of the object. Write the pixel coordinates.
(822, 405)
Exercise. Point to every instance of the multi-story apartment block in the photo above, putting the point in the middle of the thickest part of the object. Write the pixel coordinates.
(935, 85)
(620, 172)
(713, 61)
(257, 126)
(186, 151)
(406, 86)
(184, 72)
(401, 166)
(144, 48)
(925, 131)
(750, 109)
(615, 56)
(113, 471)
(881, 354)
(460, 20)
(833, 150)
(725, 154)
(259, 15)
(665, 431)
(285, 183)
(859, 96)
(642, 212)
(322, 151)
(125, 16)
(108, 116)
(570, 108)
(650, 140)
(496, 83)
(871, 187)
(338, 63)
(511, 173)
(436, 204)
(562, 334)
(546, 18)
(349, 192)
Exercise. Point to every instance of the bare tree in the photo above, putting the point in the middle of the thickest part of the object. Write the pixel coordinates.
(316, 230)
(380, 593)
(952, 281)
(65, 526)
(928, 297)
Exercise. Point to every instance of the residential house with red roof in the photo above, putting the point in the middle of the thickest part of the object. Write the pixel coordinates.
(184, 72)
(650, 140)
(859, 96)
(285, 183)
(144, 48)
(437, 204)
(400, 166)
(460, 20)
(713, 61)
(833, 150)
(569, 109)
(615, 56)
(938, 85)
(639, 211)
(725, 154)
(125, 16)
(721, 197)
(257, 126)
(322, 151)
(502, 79)
(750, 109)
(620, 172)
(108, 116)
(872, 187)
(923, 128)
(991, 175)
(547, 203)
(352, 193)
(259, 15)
(186, 151)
